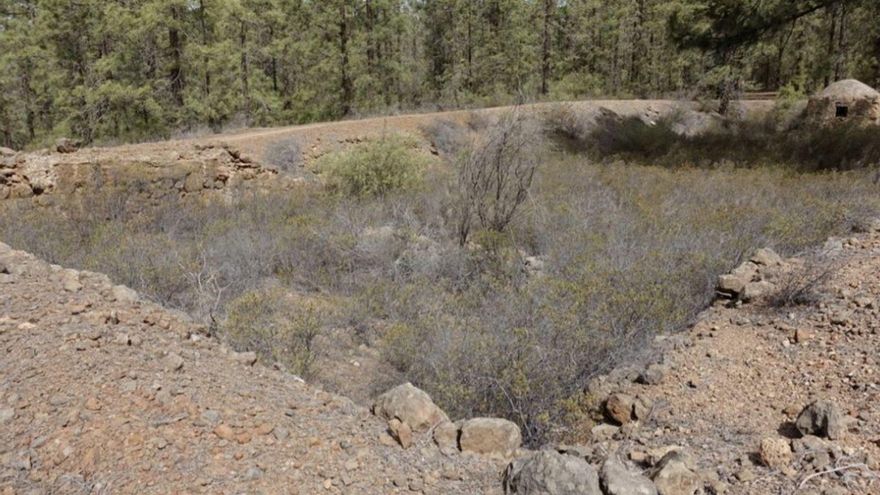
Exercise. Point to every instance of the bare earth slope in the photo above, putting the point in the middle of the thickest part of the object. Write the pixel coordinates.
(742, 375)
(101, 393)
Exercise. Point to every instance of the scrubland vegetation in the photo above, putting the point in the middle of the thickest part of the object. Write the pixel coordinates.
(569, 263)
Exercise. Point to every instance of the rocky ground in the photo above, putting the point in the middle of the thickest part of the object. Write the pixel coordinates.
(103, 393)
(732, 390)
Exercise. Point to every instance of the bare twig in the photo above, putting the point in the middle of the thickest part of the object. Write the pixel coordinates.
(861, 466)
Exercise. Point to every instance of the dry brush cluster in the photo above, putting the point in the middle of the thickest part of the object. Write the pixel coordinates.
(567, 267)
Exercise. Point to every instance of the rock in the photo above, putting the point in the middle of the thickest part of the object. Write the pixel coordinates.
(210, 416)
(766, 257)
(245, 358)
(66, 145)
(616, 479)
(6, 151)
(411, 406)
(652, 375)
(673, 476)
(822, 419)
(776, 453)
(642, 408)
(93, 404)
(493, 437)
(224, 432)
(867, 226)
(70, 281)
(619, 408)
(173, 362)
(122, 293)
(446, 437)
(603, 432)
(6, 414)
(734, 282)
(756, 290)
(401, 432)
(551, 473)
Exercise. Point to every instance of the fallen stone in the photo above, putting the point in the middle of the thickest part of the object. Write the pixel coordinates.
(66, 145)
(173, 362)
(603, 432)
(6, 414)
(245, 358)
(224, 432)
(756, 290)
(734, 282)
(401, 432)
(616, 479)
(411, 406)
(673, 476)
(766, 257)
(652, 375)
(446, 437)
(122, 293)
(776, 453)
(822, 419)
(619, 408)
(551, 473)
(494, 437)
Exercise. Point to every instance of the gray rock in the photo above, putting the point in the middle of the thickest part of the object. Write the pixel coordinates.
(551, 473)
(673, 476)
(652, 375)
(173, 362)
(411, 406)
(757, 290)
(603, 432)
(766, 257)
(245, 358)
(6, 414)
(493, 437)
(822, 419)
(616, 479)
(446, 437)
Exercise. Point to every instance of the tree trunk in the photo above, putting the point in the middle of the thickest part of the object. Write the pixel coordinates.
(175, 73)
(245, 74)
(345, 79)
(546, 46)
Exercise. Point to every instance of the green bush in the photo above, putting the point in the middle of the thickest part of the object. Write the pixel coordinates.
(273, 325)
(373, 168)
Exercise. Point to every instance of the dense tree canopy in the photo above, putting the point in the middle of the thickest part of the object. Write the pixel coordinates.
(105, 70)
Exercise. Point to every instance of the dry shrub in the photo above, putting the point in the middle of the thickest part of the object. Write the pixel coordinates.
(630, 251)
(448, 137)
(286, 155)
(769, 140)
(271, 323)
(804, 285)
(495, 176)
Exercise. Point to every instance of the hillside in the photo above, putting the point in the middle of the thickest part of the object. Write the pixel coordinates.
(102, 392)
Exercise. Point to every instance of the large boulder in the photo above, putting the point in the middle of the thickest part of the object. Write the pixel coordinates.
(616, 479)
(410, 405)
(493, 437)
(822, 419)
(674, 476)
(551, 473)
